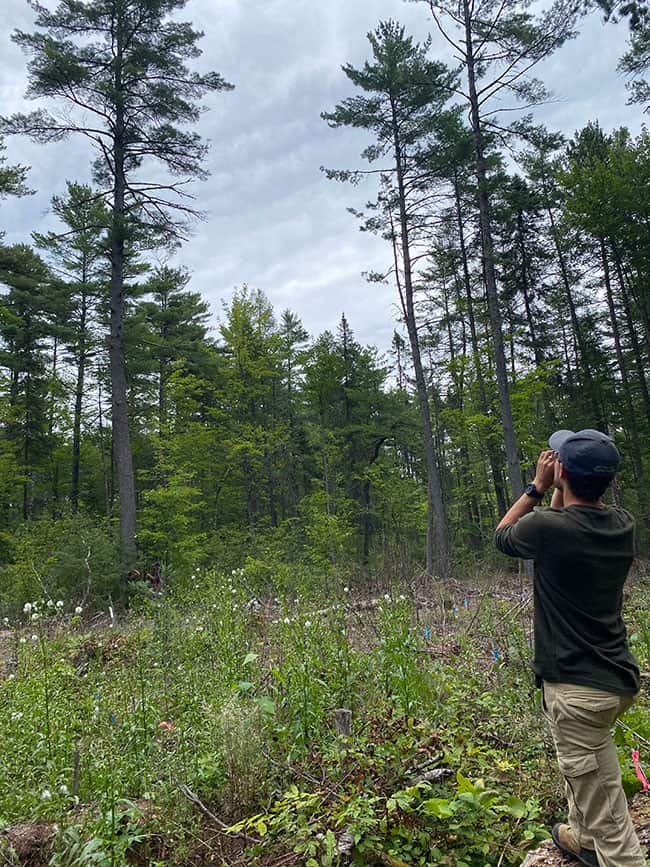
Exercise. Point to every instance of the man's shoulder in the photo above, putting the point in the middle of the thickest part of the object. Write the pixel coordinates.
(568, 516)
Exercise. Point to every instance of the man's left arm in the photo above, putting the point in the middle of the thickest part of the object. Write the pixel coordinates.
(520, 539)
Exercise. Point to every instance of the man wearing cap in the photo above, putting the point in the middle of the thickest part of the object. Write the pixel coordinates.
(583, 550)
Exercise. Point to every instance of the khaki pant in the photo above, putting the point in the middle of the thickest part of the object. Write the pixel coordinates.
(581, 719)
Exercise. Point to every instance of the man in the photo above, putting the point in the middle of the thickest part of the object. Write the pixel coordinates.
(583, 550)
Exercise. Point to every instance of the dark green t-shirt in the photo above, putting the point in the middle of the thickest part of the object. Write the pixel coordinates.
(582, 557)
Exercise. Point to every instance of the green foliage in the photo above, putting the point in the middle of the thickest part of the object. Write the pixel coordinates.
(71, 558)
(234, 699)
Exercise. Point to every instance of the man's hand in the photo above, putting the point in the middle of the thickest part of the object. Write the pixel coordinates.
(545, 472)
(544, 477)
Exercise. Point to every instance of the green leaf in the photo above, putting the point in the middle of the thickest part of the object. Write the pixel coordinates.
(438, 807)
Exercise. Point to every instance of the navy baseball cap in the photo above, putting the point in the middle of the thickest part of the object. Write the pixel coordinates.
(586, 453)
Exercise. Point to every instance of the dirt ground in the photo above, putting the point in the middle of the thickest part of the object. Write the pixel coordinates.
(548, 856)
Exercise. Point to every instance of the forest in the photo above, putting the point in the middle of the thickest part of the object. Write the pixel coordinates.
(215, 535)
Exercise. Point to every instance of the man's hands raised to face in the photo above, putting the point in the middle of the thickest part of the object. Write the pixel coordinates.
(545, 472)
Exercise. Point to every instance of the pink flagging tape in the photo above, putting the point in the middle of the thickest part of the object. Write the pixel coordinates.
(639, 770)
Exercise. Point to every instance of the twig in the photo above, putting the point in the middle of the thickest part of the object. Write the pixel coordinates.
(198, 803)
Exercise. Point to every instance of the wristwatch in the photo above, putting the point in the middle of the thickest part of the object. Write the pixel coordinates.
(531, 491)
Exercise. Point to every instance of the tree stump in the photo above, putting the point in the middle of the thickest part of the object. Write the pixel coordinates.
(343, 726)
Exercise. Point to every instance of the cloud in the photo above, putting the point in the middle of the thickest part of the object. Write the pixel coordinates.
(274, 221)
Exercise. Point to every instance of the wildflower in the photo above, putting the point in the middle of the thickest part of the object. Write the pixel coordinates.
(59, 603)
(402, 597)
(167, 726)
(78, 609)
(23, 640)
(5, 620)
(35, 617)
(233, 590)
(46, 795)
(307, 624)
(10, 676)
(27, 608)
(63, 789)
(34, 637)
(346, 589)
(387, 597)
(287, 620)
(50, 603)
(16, 715)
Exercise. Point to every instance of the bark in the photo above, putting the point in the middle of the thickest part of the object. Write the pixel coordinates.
(78, 401)
(492, 448)
(620, 358)
(512, 451)
(437, 553)
(106, 475)
(634, 339)
(525, 291)
(122, 455)
(465, 480)
(575, 323)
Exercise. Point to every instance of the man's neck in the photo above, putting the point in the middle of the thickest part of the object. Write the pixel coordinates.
(570, 499)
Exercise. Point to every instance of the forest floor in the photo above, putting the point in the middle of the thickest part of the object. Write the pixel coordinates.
(203, 730)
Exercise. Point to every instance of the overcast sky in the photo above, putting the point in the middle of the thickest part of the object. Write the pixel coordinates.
(274, 221)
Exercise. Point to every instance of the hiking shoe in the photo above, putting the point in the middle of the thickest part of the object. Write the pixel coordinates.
(565, 840)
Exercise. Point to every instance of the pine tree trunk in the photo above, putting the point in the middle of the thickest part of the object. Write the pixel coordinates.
(437, 553)
(625, 384)
(78, 405)
(492, 448)
(122, 455)
(575, 323)
(510, 441)
(634, 340)
(106, 475)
